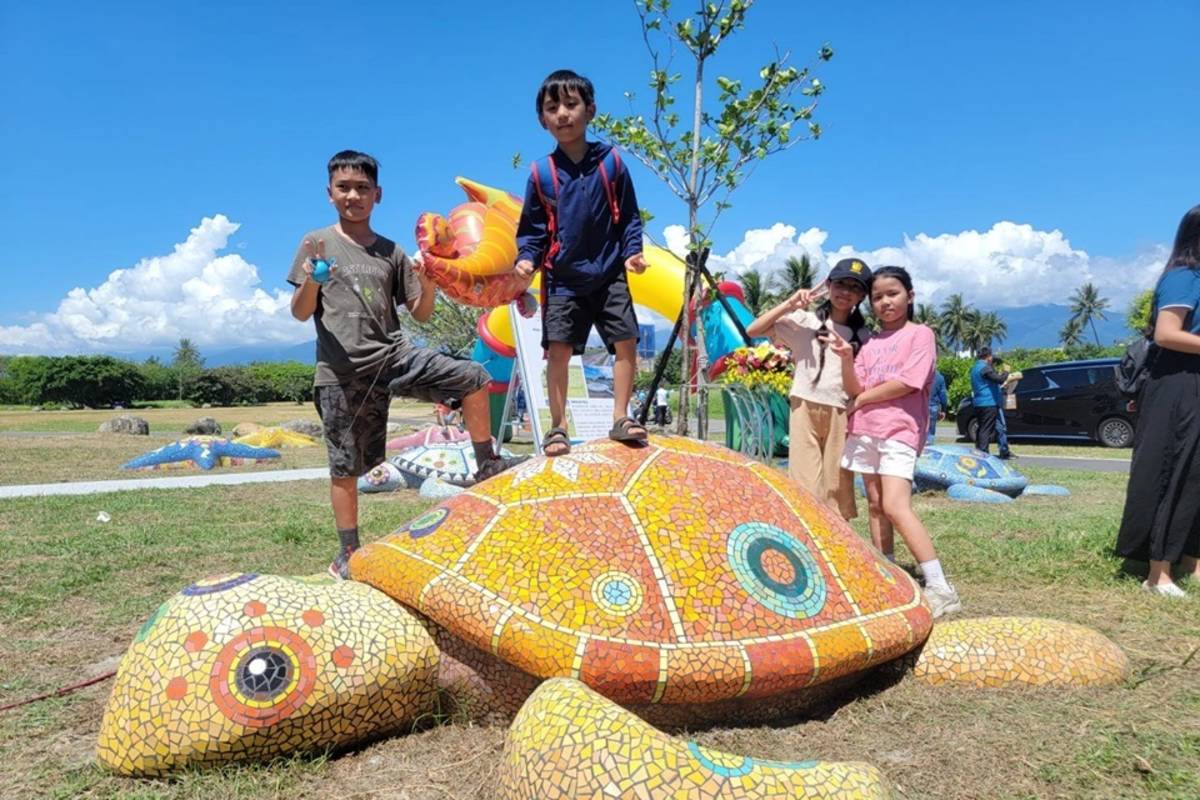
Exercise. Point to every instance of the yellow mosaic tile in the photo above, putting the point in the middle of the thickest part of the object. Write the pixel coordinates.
(568, 742)
(248, 666)
(1015, 651)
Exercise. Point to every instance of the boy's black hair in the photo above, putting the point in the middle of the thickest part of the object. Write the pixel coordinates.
(983, 352)
(900, 274)
(562, 82)
(356, 161)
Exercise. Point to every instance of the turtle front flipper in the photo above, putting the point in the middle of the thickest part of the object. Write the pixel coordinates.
(568, 742)
(999, 652)
(249, 667)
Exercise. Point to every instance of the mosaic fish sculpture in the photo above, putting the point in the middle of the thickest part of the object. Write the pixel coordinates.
(964, 474)
(680, 581)
(204, 452)
(471, 254)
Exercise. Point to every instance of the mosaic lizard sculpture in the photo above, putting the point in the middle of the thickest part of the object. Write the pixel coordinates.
(677, 583)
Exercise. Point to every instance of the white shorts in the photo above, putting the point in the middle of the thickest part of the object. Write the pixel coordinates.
(873, 456)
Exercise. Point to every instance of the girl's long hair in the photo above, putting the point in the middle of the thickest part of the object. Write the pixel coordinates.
(856, 322)
(1186, 252)
(900, 274)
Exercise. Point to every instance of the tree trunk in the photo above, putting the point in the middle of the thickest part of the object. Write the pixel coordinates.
(691, 274)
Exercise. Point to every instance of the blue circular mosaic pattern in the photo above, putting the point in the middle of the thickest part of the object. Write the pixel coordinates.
(427, 523)
(801, 594)
(618, 593)
(218, 584)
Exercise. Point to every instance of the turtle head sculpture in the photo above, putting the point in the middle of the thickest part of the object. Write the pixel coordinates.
(678, 582)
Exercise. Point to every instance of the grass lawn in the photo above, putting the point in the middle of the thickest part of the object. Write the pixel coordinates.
(76, 591)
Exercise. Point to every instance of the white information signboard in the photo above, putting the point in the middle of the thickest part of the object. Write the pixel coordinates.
(586, 417)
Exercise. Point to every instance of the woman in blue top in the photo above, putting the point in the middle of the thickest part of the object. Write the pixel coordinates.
(1161, 523)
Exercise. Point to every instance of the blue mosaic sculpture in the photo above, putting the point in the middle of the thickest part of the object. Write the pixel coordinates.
(942, 466)
(204, 452)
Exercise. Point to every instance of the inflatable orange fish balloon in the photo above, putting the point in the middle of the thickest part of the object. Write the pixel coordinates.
(470, 255)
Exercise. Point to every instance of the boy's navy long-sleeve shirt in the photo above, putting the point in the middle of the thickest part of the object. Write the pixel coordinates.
(592, 249)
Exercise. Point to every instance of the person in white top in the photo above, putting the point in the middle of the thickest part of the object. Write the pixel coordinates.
(817, 423)
(661, 398)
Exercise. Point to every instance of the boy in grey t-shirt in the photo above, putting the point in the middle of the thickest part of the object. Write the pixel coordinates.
(362, 354)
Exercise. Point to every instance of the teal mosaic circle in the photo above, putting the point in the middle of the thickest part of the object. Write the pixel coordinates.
(427, 523)
(800, 594)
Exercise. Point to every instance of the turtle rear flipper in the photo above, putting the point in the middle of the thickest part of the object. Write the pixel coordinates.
(1002, 652)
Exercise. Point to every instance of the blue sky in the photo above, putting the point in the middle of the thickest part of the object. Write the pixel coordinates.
(1005, 150)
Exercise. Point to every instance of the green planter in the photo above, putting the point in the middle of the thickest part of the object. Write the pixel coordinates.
(746, 412)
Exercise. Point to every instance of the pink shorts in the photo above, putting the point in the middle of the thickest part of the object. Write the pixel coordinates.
(872, 456)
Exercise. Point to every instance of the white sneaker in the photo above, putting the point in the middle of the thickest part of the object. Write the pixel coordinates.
(1164, 589)
(942, 601)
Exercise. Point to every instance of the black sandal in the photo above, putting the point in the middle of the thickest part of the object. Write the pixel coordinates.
(623, 431)
(558, 439)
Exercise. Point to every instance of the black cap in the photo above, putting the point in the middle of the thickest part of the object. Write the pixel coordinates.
(851, 269)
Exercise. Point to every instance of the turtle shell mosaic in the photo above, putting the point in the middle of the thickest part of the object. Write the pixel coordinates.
(674, 574)
(248, 666)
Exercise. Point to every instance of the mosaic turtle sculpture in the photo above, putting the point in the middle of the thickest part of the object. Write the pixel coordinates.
(678, 580)
(966, 474)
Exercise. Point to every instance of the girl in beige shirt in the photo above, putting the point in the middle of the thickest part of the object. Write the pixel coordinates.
(817, 422)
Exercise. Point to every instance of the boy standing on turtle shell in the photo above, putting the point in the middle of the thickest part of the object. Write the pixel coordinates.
(581, 223)
(350, 280)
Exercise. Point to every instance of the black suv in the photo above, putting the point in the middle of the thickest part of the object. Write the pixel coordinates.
(1068, 400)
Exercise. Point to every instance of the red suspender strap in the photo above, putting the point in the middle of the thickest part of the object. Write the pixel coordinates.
(609, 181)
(549, 206)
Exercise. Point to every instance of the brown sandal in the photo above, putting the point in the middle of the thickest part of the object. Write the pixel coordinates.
(628, 429)
(556, 442)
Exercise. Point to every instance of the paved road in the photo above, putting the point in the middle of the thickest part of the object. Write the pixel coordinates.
(716, 431)
(181, 482)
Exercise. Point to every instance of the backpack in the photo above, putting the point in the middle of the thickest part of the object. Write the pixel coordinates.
(1134, 366)
(545, 181)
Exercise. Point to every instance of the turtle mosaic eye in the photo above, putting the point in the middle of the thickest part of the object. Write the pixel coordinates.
(264, 673)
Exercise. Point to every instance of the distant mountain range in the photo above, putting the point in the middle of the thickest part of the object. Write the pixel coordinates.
(1038, 326)
(1028, 326)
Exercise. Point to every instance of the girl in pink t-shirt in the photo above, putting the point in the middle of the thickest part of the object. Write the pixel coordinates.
(889, 385)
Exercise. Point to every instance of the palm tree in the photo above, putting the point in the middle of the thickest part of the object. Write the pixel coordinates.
(955, 320)
(1071, 334)
(986, 328)
(754, 287)
(798, 273)
(927, 315)
(1086, 305)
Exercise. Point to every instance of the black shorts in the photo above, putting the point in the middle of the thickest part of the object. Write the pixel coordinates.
(569, 318)
(355, 413)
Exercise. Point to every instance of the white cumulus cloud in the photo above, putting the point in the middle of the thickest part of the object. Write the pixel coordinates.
(197, 292)
(1011, 264)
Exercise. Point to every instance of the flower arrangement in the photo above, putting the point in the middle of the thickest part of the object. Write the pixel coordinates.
(762, 365)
